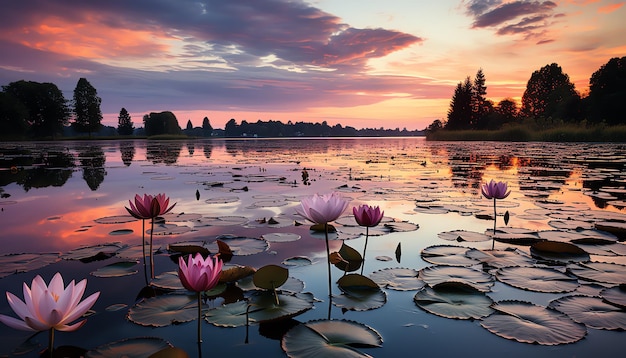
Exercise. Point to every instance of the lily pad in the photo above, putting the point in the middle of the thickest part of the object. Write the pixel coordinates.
(161, 311)
(528, 323)
(281, 237)
(129, 348)
(401, 226)
(224, 220)
(462, 235)
(447, 255)
(615, 295)
(329, 338)
(228, 315)
(400, 279)
(235, 273)
(263, 307)
(121, 232)
(270, 277)
(17, 263)
(168, 281)
(118, 269)
(297, 261)
(501, 258)
(120, 219)
(93, 253)
(454, 300)
(244, 246)
(539, 279)
(592, 311)
(599, 272)
(359, 293)
(480, 280)
(352, 259)
(561, 252)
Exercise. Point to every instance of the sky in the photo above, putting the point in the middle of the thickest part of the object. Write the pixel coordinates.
(359, 63)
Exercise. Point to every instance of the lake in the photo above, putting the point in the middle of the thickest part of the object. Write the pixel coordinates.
(63, 210)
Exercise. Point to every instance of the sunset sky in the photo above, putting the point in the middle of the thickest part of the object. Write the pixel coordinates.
(362, 63)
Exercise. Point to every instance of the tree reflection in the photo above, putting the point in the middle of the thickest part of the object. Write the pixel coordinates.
(162, 152)
(92, 162)
(39, 170)
(127, 151)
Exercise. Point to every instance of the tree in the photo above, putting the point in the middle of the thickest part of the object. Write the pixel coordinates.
(434, 126)
(161, 123)
(47, 108)
(460, 112)
(207, 129)
(189, 126)
(549, 93)
(507, 109)
(481, 106)
(88, 116)
(124, 123)
(13, 115)
(231, 129)
(607, 92)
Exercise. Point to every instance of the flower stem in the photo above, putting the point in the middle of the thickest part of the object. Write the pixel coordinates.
(367, 232)
(151, 252)
(199, 317)
(51, 341)
(143, 246)
(495, 216)
(328, 259)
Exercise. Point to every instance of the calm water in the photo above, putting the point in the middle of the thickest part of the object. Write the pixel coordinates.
(56, 197)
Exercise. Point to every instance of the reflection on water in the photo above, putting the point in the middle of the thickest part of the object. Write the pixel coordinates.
(53, 193)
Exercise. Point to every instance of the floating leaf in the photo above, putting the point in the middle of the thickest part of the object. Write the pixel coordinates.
(592, 311)
(352, 259)
(129, 348)
(228, 315)
(454, 300)
(400, 279)
(447, 255)
(359, 293)
(281, 237)
(540, 279)
(615, 295)
(121, 219)
(462, 235)
(500, 258)
(118, 269)
(599, 271)
(243, 246)
(528, 323)
(164, 310)
(398, 252)
(17, 263)
(506, 218)
(270, 277)
(186, 249)
(121, 232)
(329, 338)
(167, 280)
(562, 252)
(480, 280)
(264, 307)
(297, 261)
(401, 226)
(224, 220)
(93, 253)
(236, 273)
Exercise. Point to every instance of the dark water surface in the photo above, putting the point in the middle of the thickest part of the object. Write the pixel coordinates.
(57, 197)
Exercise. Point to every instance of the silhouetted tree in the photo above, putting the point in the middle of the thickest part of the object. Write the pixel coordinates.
(231, 129)
(161, 123)
(607, 92)
(549, 93)
(13, 115)
(87, 113)
(47, 108)
(460, 112)
(207, 129)
(189, 126)
(124, 123)
(480, 105)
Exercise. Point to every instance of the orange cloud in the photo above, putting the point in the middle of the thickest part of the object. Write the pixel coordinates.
(90, 39)
(610, 8)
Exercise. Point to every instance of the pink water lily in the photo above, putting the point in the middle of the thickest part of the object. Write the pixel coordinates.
(149, 206)
(199, 274)
(367, 216)
(495, 190)
(322, 209)
(49, 307)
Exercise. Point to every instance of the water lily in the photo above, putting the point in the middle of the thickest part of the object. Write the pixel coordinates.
(367, 216)
(149, 207)
(322, 209)
(49, 307)
(495, 190)
(198, 275)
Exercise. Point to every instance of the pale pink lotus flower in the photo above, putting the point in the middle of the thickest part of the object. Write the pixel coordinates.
(199, 274)
(49, 307)
(322, 209)
(495, 190)
(367, 216)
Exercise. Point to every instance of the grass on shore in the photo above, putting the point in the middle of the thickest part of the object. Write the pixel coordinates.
(565, 133)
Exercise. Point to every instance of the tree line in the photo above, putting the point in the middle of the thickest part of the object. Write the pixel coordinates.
(550, 97)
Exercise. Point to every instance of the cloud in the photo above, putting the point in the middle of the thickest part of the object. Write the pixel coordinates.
(610, 8)
(530, 19)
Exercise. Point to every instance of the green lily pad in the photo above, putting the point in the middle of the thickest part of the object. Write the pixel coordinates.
(359, 293)
(353, 259)
(539, 279)
(161, 311)
(129, 348)
(329, 338)
(168, 281)
(400, 279)
(243, 246)
(270, 277)
(592, 311)
(480, 280)
(528, 323)
(17, 263)
(297, 261)
(454, 300)
(118, 269)
(228, 315)
(264, 308)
